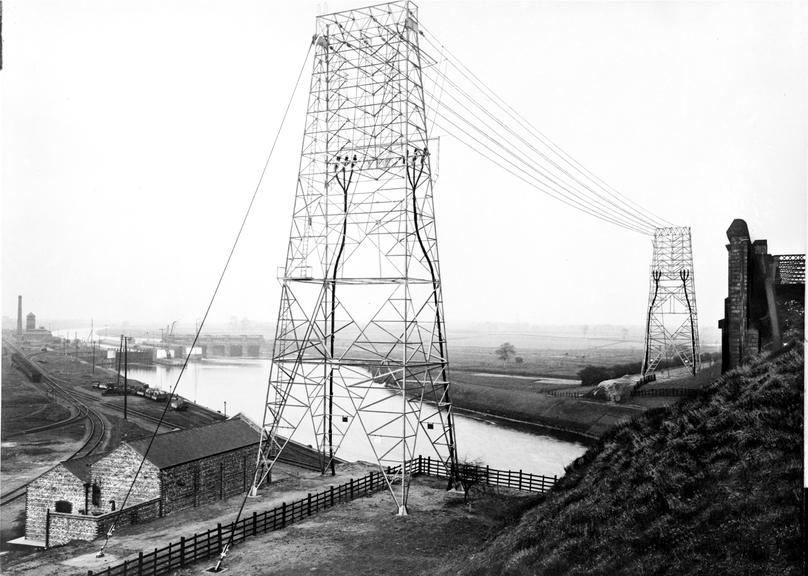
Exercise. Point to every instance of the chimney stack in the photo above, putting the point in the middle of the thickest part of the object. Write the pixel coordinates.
(19, 315)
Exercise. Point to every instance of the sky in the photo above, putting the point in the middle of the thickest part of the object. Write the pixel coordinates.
(133, 136)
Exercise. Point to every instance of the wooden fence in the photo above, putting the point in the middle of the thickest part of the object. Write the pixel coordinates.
(209, 544)
(516, 479)
(566, 394)
(685, 392)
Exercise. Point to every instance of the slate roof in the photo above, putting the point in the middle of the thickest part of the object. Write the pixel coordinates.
(174, 448)
(80, 467)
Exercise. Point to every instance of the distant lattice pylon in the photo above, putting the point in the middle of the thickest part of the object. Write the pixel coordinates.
(360, 341)
(672, 331)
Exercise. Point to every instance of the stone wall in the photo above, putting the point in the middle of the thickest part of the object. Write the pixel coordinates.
(208, 480)
(66, 527)
(43, 493)
(113, 474)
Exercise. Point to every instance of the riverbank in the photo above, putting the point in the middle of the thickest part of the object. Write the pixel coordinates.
(712, 484)
(523, 402)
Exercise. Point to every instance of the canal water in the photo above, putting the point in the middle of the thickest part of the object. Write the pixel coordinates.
(242, 386)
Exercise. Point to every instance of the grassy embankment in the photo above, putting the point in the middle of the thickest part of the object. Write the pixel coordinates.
(710, 485)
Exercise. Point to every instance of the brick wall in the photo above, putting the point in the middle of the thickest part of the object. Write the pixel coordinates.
(208, 480)
(114, 472)
(751, 312)
(736, 306)
(56, 484)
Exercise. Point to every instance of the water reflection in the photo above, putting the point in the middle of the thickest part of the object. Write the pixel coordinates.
(242, 386)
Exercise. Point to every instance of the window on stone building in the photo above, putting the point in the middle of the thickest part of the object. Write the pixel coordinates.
(64, 506)
(112, 505)
(96, 495)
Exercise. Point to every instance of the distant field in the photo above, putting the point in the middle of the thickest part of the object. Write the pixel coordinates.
(517, 383)
(535, 362)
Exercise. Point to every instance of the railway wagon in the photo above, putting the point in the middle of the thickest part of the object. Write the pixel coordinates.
(27, 367)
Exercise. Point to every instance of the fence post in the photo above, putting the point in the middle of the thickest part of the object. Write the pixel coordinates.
(182, 551)
(47, 528)
(255, 523)
(487, 475)
(331, 490)
(219, 537)
(308, 504)
(420, 464)
(195, 544)
(350, 484)
(169, 556)
(283, 515)
(428, 465)
(140, 563)
(371, 481)
(520, 479)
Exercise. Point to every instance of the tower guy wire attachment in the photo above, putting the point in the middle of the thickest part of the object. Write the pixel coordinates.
(672, 332)
(360, 352)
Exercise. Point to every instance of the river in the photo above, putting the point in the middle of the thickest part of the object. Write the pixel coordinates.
(242, 385)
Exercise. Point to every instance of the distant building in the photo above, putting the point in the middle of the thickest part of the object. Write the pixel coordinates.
(34, 335)
(79, 499)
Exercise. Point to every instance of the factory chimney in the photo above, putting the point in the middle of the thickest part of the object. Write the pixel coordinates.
(19, 315)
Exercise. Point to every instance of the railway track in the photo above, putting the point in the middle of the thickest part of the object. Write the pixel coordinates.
(98, 429)
(133, 411)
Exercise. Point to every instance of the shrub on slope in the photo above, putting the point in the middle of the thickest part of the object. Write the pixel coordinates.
(711, 485)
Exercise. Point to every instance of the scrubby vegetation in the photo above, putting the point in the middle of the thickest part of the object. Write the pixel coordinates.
(711, 485)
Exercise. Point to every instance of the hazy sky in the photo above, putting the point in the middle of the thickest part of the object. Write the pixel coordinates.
(133, 134)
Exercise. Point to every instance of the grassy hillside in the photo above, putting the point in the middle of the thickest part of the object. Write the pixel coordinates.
(711, 485)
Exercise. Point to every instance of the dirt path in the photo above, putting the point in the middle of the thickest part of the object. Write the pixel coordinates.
(361, 537)
(365, 537)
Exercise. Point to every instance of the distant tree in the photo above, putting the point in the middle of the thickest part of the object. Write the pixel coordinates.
(518, 359)
(591, 375)
(505, 351)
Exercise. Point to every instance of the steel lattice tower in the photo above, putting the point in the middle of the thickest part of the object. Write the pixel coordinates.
(361, 311)
(672, 330)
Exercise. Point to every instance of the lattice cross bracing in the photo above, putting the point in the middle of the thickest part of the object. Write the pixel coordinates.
(360, 341)
(672, 332)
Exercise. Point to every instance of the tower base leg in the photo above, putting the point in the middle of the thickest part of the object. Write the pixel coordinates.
(402, 511)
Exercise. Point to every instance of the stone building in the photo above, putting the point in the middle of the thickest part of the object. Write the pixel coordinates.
(761, 290)
(79, 499)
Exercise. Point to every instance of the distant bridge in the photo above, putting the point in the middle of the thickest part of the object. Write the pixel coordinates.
(222, 346)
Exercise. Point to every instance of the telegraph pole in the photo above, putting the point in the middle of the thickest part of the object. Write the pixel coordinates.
(125, 373)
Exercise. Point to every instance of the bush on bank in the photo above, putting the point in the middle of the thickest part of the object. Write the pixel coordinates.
(711, 485)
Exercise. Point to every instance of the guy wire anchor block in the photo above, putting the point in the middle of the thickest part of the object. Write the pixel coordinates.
(218, 566)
